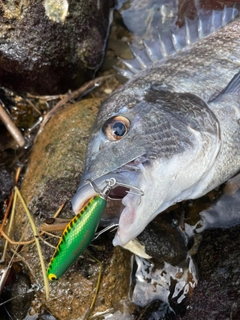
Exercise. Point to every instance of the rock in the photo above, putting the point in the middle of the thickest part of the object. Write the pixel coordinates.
(43, 56)
(57, 159)
(6, 184)
(157, 310)
(20, 295)
(164, 242)
(52, 177)
(217, 295)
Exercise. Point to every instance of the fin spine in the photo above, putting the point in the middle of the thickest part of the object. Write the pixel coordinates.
(193, 30)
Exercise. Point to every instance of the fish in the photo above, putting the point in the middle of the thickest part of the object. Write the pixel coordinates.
(173, 129)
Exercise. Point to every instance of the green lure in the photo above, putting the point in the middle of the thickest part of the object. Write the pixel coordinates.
(81, 229)
(76, 236)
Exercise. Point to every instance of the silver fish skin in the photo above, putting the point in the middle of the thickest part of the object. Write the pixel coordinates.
(184, 134)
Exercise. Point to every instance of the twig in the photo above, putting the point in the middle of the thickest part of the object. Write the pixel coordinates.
(33, 106)
(55, 227)
(10, 225)
(17, 175)
(47, 243)
(47, 98)
(10, 200)
(18, 295)
(51, 235)
(7, 212)
(88, 312)
(25, 261)
(11, 127)
(59, 210)
(15, 242)
(71, 96)
(36, 241)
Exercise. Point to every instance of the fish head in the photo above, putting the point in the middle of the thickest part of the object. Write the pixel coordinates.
(148, 137)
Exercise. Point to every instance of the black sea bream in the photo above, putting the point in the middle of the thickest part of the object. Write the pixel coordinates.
(173, 130)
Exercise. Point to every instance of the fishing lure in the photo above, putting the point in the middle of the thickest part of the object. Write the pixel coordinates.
(80, 231)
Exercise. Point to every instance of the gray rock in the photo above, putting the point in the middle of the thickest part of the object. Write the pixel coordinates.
(43, 56)
(217, 295)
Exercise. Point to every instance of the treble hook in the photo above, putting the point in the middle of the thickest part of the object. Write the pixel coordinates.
(106, 190)
(136, 191)
(111, 184)
(112, 226)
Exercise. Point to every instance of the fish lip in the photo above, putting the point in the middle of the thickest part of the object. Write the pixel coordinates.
(85, 191)
(82, 196)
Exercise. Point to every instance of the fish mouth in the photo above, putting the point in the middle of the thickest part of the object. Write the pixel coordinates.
(85, 191)
(130, 194)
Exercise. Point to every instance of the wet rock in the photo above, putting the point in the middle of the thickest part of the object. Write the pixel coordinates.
(57, 159)
(157, 310)
(164, 242)
(225, 212)
(43, 56)
(52, 177)
(20, 295)
(6, 184)
(75, 290)
(7, 273)
(217, 295)
(46, 316)
(169, 276)
(170, 284)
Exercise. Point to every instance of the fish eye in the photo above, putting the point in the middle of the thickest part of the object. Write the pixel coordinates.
(116, 128)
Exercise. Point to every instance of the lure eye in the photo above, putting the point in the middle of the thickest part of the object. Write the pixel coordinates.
(52, 277)
(116, 128)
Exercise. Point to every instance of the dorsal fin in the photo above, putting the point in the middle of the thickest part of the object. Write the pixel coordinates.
(168, 43)
(232, 87)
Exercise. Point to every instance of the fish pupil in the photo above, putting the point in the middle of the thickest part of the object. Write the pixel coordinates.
(119, 129)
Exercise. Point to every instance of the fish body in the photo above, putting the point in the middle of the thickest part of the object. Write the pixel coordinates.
(173, 130)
